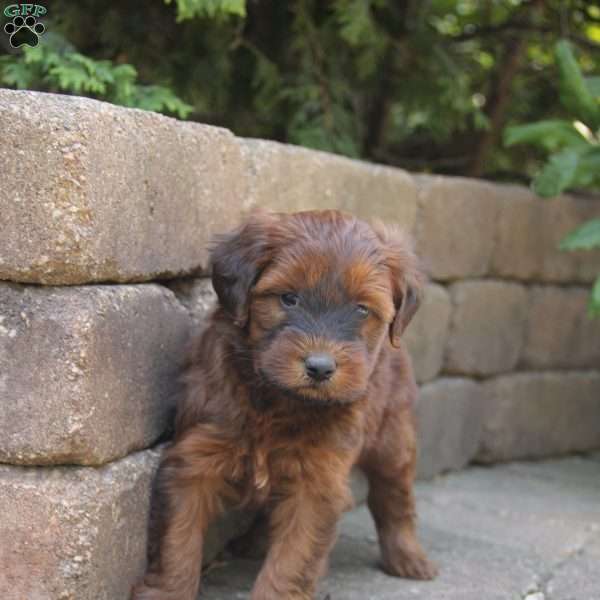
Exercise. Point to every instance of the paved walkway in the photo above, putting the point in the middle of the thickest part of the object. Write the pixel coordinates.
(516, 531)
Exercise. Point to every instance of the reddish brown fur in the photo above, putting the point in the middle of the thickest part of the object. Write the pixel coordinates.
(253, 430)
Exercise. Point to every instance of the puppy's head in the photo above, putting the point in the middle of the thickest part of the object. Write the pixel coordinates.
(315, 296)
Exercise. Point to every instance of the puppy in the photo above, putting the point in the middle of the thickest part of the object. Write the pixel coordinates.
(299, 375)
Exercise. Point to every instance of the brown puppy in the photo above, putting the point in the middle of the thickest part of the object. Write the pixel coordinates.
(299, 375)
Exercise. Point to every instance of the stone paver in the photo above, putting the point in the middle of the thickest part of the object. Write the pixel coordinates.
(559, 332)
(487, 327)
(516, 531)
(428, 332)
(88, 373)
(534, 415)
(116, 194)
(452, 209)
(529, 230)
(450, 413)
(288, 178)
(74, 533)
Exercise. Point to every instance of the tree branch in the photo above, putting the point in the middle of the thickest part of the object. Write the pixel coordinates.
(499, 99)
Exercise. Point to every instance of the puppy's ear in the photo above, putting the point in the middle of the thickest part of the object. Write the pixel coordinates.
(237, 259)
(408, 281)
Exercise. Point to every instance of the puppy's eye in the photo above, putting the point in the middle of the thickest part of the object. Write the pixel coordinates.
(362, 310)
(289, 300)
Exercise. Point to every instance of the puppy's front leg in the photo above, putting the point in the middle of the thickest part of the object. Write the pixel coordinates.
(302, 532)
(192, 487)
(390, 469)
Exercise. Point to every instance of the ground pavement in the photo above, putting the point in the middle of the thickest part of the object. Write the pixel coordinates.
(516, 531)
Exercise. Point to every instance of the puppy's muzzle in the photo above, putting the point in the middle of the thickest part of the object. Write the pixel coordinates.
(320, 366)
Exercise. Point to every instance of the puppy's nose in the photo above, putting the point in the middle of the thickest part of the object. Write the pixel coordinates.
(319, 366)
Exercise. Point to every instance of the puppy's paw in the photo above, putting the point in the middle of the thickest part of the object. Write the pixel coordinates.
(143, 592)
(410, 566)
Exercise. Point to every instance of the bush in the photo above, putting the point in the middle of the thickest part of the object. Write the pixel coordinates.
(574, 145)
(421, 85)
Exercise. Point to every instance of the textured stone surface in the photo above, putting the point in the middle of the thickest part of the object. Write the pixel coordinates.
(87, 374)
(521, 531)
(427, 333)
(197, 295)
(531, 415)
(559, 331)
(455, 231)
(450, 418)
(80, 533)
(74, 533)
(582, 567)
(288, 178)
(487, 327)
(528, 232)
(96, 192)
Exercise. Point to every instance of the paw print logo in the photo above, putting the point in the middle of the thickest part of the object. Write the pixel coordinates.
(24, 31)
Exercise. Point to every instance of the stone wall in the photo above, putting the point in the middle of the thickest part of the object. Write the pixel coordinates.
(105, 217)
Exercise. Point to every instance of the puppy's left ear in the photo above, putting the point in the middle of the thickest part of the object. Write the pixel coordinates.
(237, 259)
(408, 280)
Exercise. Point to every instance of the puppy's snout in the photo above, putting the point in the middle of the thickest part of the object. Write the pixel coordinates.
(320, 366)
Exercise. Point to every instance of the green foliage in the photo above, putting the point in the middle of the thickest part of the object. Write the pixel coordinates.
(414, 83)
(593, 84)
(54, 64)
(585, 237)
(575, 143)
(575, 147)
(594, 306)
(188, 9)
(424, 85)
(558, 173)
(550, 135)
(574, 90)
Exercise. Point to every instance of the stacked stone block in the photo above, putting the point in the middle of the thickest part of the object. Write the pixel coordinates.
(106, 216)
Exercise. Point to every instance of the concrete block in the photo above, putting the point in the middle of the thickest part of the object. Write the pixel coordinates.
(559, 333)
(455, 232)
(196, 295)
(94, 192)
(87, 374)
(531, 415)
(449, 419)
(529, 230)
(74, 533)
(288, 178)
(427, 333)
(487, 327)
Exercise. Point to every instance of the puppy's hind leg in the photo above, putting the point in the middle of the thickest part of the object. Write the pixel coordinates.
(390, 469)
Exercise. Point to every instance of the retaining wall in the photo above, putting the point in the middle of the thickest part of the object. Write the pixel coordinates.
(105, 214)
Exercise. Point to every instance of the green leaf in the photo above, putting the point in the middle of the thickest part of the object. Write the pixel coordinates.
(585, 237)
(160, 99)
(550, 135)
(594, 305)
(16, 74)
(593, 84)
(575, 94)
(188, 9)
(588, 169)
(558, 174)
(355, 22)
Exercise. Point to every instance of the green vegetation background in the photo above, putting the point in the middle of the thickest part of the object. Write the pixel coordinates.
(428, 85)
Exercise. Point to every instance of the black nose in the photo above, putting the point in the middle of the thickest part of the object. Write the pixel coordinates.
(319, 366)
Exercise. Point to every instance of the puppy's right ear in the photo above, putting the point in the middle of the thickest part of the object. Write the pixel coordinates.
(408, 281)
(237, 259)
